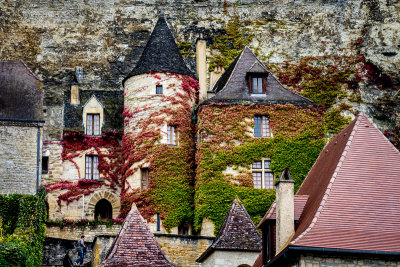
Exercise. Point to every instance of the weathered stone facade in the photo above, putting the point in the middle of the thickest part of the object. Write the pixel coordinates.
(75, 232)
(107, 38)
(18, 158)
(230, 258)
(339, 261)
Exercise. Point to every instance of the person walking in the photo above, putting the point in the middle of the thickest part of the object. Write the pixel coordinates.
(80, 246)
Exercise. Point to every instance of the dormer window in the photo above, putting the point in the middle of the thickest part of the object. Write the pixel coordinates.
(159, 89)
(93, 124)
(257, 83)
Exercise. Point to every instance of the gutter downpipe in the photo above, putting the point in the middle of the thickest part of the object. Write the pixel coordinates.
(38, 158)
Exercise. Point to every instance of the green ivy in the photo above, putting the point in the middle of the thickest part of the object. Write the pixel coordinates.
(24, 228)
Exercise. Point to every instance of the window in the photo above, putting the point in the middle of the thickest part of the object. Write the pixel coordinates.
(261, 126)
(93, 124)
(159, 90)
(45, 164)
(257, 84)
(263, 177)
(92, 170)
(171, 135)
(158, 223)
(103, 210)
(144, 180)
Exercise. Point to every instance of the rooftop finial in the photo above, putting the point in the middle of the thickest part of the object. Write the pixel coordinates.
(161, 13)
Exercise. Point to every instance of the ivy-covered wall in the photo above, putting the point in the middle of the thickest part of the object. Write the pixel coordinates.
(226, 140)
(22, 229)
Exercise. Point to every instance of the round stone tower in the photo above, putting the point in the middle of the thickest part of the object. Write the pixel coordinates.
(159, 96)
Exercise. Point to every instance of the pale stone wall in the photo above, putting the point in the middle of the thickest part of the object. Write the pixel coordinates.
(101, 245)
(284, 213)
(141, 100)
(230, 258)
(18, 159)
(323, 261)
(75, 232)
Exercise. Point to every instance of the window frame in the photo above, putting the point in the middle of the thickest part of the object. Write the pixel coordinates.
(261, 77)
(161, 92)
(91, 130)
(172, 135)
(262, 129)
(92, 167)
(45, 163)
(144, 176)
(263, 171)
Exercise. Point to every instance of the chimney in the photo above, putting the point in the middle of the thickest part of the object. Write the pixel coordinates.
(74, 92)
(284, 210)
(201, 67)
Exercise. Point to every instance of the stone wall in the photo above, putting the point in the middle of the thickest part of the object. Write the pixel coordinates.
(322, 261)
(101, 245)
(18, 159)
(230, 258)
(54, 251)
(75, 232)
(106, 38)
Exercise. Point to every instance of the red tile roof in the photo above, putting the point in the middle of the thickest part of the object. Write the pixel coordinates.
(299, 203)
(354, 190)
(354, 193)
(237, 233)
(135, 245)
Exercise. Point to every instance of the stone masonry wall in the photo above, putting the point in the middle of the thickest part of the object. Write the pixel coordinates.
(106, 38)
(18, 159)
(322, 261)
(75, 232)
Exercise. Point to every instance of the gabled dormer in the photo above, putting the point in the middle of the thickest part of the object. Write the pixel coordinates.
(247, 80)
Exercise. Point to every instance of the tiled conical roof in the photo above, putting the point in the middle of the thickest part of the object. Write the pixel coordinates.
(161, 54)
(135, 245)
(237, 233)
(232, 87)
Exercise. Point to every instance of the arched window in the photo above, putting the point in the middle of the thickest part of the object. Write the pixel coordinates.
(103, 210)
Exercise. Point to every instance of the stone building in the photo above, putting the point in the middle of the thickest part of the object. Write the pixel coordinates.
(21, 122)
(238, 242)
(346, 210)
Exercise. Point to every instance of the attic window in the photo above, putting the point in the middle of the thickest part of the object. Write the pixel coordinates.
(257, 84)
(93, 124)
(159, 89)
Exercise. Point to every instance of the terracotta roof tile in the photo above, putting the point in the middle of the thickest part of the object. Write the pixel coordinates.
(238, 232)
(358, 207)
(135, 245)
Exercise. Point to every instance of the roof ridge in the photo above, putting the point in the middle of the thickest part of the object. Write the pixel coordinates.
(230, 75)
(332, 180)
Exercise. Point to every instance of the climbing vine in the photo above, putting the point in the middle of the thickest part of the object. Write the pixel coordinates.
(226, 140)
(170, 190)
(108, 150)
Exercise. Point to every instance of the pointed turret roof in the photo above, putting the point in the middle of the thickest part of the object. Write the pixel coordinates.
(161, 53)
(353, 194)
(237, 233)
(135, 245)
(232, 87)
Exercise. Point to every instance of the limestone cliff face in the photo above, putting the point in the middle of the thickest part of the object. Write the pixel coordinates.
(106, 38)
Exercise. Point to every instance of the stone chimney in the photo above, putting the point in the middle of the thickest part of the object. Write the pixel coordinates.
(284, 210)
(201, 67)
(74, 92)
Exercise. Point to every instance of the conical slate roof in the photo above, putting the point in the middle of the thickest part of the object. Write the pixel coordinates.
(237, 233)
(233, 87)
(135, 245)
(161, 53)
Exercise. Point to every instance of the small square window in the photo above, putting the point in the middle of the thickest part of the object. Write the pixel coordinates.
(144, 183)
(261, 126)
(159, 89)
(92, 167)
